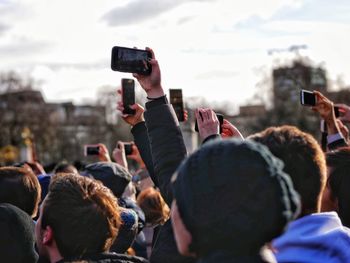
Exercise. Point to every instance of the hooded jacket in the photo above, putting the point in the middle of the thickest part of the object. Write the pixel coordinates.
(314, 238)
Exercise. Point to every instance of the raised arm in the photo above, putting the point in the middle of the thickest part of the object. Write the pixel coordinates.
(167, 144)
(139, 131)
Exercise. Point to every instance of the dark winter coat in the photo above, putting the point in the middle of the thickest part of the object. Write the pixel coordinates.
(106, 258)
(168, 150)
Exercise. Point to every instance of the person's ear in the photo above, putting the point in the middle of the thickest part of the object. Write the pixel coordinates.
(183, 237)
(47, 236)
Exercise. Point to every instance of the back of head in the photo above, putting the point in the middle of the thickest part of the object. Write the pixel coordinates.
(153, 205)
(233, 196)
(82, 213)
(303, 160)
(339, 181)
(65, 167)
(21, 188)
(17, 242)
(112, 175)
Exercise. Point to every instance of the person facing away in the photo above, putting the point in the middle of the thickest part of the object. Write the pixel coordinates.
(20, 187)
(79, 220)
(314, 236)
(338, 183)
(231, 197)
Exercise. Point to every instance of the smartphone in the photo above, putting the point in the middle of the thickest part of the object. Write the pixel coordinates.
(128, 95)
(336, 111)
(131, 60)
(128, 148)
(220, 118)
(307, 98)
(177, 102)
(91, 149)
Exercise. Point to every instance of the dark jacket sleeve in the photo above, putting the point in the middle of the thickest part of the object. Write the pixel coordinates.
(167, 144)
(211, 137)
(337, 144)
(139, 131)
(168, 150)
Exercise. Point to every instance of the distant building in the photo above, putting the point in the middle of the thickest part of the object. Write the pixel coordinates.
(288, 81)
(60, 129)
(340, 96)
(247, 115)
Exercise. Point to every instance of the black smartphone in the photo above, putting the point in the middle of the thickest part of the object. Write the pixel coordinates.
(336, 111)
(131, 60)
(128, 95)
(177, 102)
(91, 149)
(220, 118)
(128, 148)
(307, 98)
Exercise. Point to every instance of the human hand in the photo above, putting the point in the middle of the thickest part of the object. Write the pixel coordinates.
(119, 155)
(343, 129)
(208, 123)
(229, 130)
(103, 154)
(135, 155)
(344, 111)
(151, 83)
(185, 115)
(325, 108)
(132, 119)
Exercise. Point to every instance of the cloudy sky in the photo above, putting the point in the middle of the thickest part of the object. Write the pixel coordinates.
(212, 48)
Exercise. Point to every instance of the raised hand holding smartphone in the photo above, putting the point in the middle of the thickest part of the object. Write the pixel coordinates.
(128, 95)
(131, 60)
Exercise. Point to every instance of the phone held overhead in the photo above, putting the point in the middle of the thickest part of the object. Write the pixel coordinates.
(131, 60)
(91, 149)
(220, 118)
(177, 102)
(307, 98)
(128, 95)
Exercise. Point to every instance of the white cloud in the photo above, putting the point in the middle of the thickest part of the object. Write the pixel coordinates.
(208, 48)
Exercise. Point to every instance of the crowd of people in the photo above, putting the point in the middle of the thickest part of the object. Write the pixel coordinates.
(275, 196)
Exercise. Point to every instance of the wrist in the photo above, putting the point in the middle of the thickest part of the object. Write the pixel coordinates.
(155, 93)
(332, 127)
(137, 122)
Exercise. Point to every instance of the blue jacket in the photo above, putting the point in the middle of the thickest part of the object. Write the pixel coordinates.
(314, 238)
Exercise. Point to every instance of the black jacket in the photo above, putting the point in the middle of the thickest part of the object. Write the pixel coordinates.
(106, 258)
(168, 150)
(139, 131)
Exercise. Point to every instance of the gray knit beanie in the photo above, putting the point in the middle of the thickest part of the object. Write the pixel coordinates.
(233, 196)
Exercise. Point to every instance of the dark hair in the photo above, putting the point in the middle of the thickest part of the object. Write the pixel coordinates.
(153, 205)
(64, 167)
(83, 214)
(339, 181)
(303, 160)
(20, 187)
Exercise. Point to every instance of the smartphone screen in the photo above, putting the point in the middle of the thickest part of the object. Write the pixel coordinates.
(128, 95)
(131, 60)
(177, 102)
(128, 148)
(91, 149)
(221, 121)
(307, 98)
(336, 112)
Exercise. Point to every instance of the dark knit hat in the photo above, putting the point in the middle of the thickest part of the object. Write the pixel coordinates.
(17, 242)
(127, 232)
(112, 175)
(233, 195)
